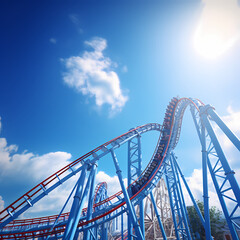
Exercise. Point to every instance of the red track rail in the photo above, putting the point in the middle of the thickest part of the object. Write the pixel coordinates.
(38, 233)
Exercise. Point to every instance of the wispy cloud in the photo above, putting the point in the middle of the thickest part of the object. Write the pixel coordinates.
(91, 74)
(53, 40)
(75, 20)
(125, 69)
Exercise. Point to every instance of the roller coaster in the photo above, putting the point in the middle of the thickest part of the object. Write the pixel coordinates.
(121, 216)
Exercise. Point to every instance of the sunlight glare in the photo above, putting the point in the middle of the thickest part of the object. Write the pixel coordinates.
(218, 29)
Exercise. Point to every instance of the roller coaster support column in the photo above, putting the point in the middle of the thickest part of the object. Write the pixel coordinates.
(130, 207)
(158, 217)
(221, 164)
(190, 193)
(168, 180)
(205, 186)
(134, 171)
(228, 171)
(232, 137)
(180, 190)
(86, 233)
(78, 202)
(177, 205)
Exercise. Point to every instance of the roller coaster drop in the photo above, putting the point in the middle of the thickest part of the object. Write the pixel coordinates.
(104, 214)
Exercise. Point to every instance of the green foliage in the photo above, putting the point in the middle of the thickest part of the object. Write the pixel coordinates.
(217, 223)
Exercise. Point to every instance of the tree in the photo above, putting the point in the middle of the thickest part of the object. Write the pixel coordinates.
(216, 222)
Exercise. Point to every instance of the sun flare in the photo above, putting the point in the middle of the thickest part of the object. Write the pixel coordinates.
(218, 29)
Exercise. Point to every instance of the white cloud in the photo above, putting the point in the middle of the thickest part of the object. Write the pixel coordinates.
(28, 165)
(1, 203)
(195, 183)
(113, 185)
(91, 74)
(53, 40)
(19, 169)
(218, 28)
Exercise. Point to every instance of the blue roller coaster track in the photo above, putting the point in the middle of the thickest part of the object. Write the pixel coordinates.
(105, 213)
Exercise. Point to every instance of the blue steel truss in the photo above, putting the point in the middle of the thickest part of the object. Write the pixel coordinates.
(104, 216)
(134, 171)
(222, 175)
(178, 207)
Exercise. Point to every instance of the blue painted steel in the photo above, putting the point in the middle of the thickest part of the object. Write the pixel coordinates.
(76, 201)
(190, 194)
(80, 206)
(134, 171)
(122, 225)
(232, 137)
(130, 180)
(215, 172)
(228, 171)
(126, 197)
(158, 217)
(172, 170)
(205, 186)
(90, 202)
(167, 177)
(77, 207)
(181, 192)
(44, 191)
(39, 197)
(177, 205)
(69, 197)
(180, 200)
(141, 208)
(223, 204)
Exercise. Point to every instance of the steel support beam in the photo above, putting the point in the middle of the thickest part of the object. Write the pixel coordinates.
(190, 194)
(134, 171)
(172, 204)
(228, 171)
(76, 202)
(78, 206)
(232, 137)
(205, 186)
(180, 200)
(178, 207)
(130, 207)
(86, 233)
(158, 217)
(214, 149)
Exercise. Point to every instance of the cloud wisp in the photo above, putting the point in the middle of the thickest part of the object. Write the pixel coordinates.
(53, 40)
(91, 74)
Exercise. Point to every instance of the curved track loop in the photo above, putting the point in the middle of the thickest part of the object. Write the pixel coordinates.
(169, 136)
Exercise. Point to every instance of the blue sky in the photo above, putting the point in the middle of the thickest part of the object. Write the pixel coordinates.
(141, 54)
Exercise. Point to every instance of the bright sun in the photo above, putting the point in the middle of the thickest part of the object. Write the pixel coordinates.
(218, 28)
